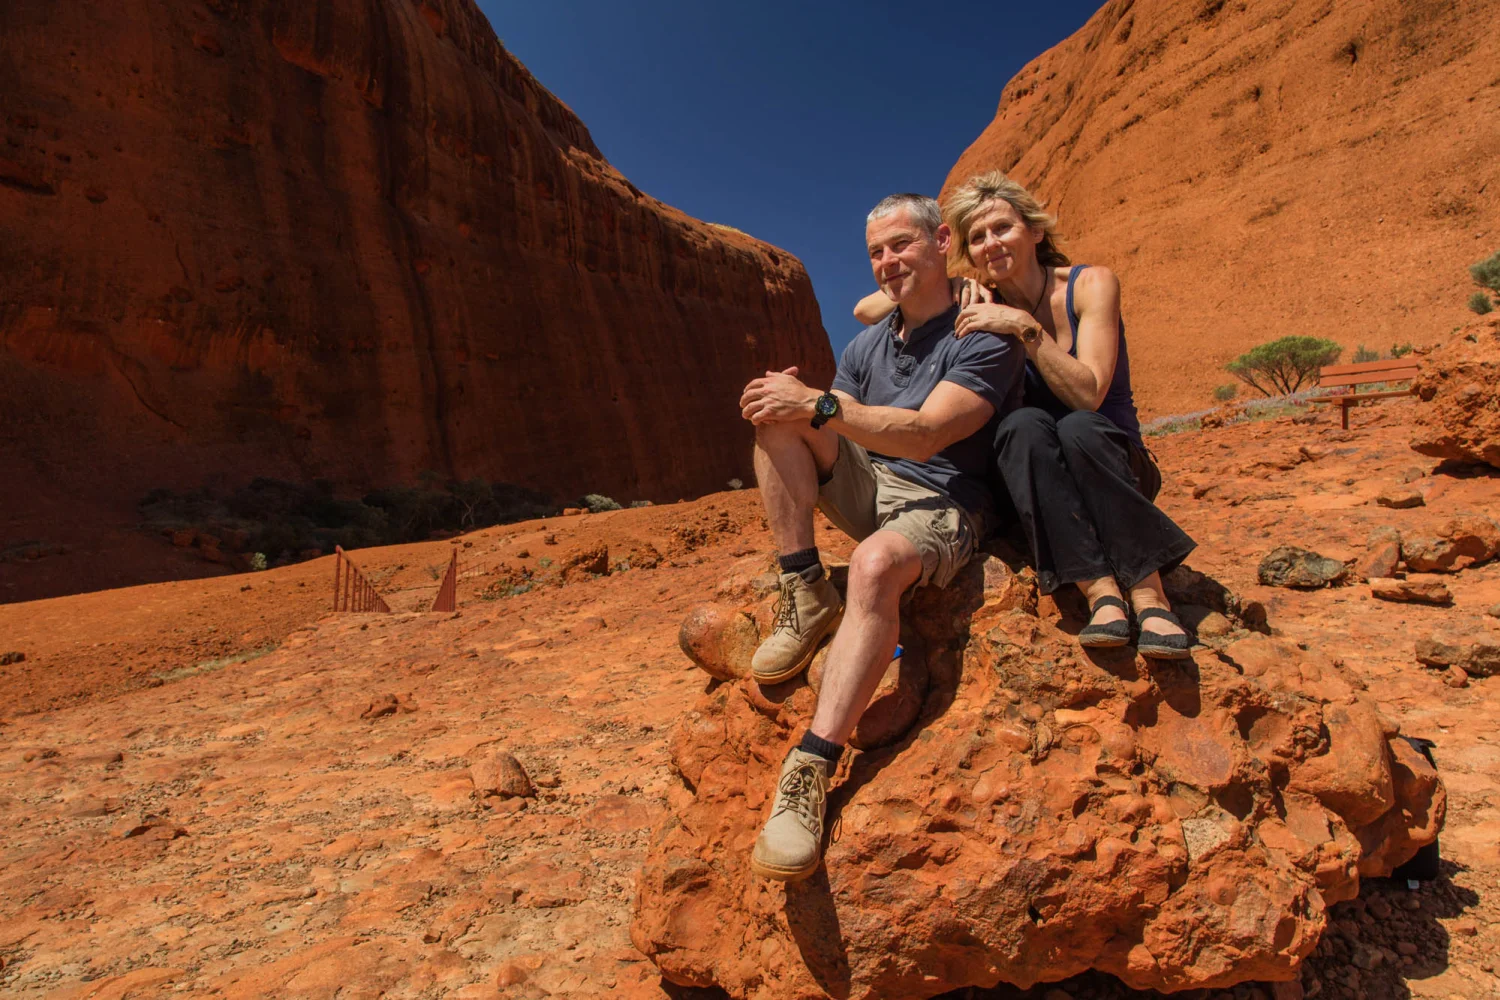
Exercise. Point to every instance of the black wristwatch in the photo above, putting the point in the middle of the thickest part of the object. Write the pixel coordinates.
(825, 409)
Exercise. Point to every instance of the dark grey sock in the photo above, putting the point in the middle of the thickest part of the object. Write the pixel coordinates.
(813, 744)
(805, 562)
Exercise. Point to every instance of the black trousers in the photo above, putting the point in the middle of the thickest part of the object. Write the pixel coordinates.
(1076, 484)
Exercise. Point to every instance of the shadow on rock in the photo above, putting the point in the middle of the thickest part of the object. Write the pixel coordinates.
(1374, 948)
(814, 924)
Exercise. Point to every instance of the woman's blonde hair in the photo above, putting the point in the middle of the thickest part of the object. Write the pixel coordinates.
(978, 191)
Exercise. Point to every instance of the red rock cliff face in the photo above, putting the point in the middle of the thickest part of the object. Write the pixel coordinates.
(1253, 170)
(353, 239)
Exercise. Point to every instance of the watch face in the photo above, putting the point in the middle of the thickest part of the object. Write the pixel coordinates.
(827, 406)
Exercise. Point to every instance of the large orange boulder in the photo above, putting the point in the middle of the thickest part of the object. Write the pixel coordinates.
(353, 240)
(1177, 825)
(1223, 159)
(1459, 390)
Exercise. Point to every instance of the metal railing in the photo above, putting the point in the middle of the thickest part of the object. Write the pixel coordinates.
(351, 591)
(447, 595)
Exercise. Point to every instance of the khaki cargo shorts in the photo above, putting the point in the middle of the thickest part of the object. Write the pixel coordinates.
(861, 497)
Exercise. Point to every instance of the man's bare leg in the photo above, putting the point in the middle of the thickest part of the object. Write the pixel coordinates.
(881, 569)
(788, 460)
(790, 846)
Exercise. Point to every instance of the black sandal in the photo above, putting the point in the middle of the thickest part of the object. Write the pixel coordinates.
(1163, 647)
(1109, 633)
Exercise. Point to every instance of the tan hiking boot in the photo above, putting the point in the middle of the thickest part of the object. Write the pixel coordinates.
(791, 843)
(805, 613)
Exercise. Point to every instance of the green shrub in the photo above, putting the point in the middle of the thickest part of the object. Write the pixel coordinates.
(1283, 366)
(1400, 350)
(1224, 393)
(1363, 354)
(1480, 303)
(1486, 273)
(641, 503)
(597, 502)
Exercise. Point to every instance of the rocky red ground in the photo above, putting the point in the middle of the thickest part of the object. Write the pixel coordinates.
(1253, 170)
(231, 792)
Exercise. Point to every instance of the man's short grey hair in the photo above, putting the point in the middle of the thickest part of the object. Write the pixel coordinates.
(925, 211)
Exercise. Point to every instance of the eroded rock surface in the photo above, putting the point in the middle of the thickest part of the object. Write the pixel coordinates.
(1246, 95)
(1459, 415)
(1175, 825)
(353, 240)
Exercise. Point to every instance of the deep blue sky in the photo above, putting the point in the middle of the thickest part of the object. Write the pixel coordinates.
(786, 120)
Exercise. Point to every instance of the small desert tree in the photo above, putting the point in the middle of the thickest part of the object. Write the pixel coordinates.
(1284, 365)
(1486, 275)
(470, 495)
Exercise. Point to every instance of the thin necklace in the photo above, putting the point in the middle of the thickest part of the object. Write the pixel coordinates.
(1046, 277)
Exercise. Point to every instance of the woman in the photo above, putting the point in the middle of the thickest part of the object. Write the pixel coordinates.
(1072, 458)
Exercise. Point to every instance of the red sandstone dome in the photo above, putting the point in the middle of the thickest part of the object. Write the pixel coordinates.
(352, 240)
(1253, 170)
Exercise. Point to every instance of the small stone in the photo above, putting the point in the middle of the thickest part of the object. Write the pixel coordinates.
(6, 659)
(381, 706)
(1406, 948)
(1379, 909)
(1463, 541)
(1214, 626)
(1288, 991)
(501, 774)
(1436, 653)
(1483, 659)
(1401, 499)
(100, 758)
(1412, 474)
(720, 640)
(1464, 928)
(1379, 560)
(510, 974)
(1493, 611)
(1456, 677)
(1418, 587)
(132, 825)
(1411, 904)
(1289, 566)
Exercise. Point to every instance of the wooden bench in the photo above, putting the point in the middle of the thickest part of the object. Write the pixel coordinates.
(1347, 379)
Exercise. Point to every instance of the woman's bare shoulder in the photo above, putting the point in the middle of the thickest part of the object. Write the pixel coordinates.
(1096, 284)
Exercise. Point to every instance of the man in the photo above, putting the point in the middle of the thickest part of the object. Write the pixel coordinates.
(896, 454)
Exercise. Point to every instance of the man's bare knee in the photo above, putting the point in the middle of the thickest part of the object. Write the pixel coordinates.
(882, 567)
(822, 443)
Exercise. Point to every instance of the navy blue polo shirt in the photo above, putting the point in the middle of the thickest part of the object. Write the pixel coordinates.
(878, 368)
